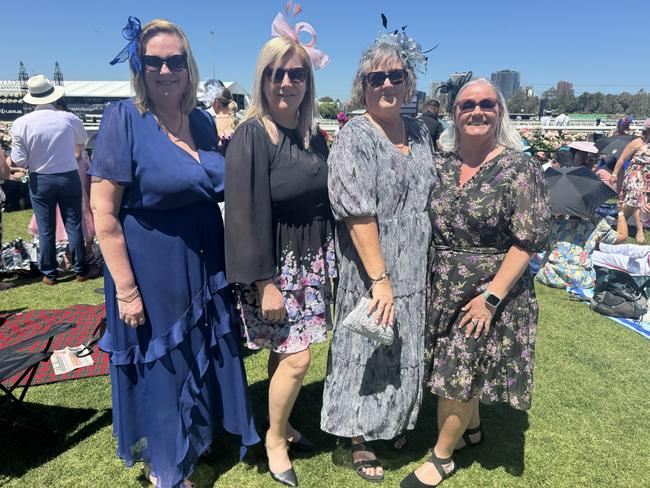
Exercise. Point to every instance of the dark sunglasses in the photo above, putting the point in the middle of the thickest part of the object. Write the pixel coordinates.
(395, 76)
(296, 75)
(177, 62)
(487, 105)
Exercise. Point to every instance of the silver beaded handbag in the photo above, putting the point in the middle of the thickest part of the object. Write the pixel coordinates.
(360, 322)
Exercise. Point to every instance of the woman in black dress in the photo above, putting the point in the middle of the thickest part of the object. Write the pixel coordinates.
(279, 233)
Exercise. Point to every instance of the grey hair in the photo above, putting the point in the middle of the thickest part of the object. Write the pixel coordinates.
(372, 57)
(506, 133)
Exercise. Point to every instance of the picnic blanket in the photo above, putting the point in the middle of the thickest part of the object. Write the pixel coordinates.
(639, 327)
(17, 327)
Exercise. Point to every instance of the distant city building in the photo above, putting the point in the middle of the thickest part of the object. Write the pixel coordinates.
(564, 88)
(530, 92)
(507, 81)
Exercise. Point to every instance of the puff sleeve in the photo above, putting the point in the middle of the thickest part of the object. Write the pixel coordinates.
(112, 159)
(352, 173)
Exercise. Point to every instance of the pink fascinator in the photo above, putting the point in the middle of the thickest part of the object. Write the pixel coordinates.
(282, 28)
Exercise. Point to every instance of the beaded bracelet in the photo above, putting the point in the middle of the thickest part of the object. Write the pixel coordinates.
(130, 297)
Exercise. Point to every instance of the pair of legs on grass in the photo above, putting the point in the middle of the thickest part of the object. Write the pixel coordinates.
(459, 426)
(636, 211)
(286, 374)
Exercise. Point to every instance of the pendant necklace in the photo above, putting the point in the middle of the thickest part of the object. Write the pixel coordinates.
(400, 146)
(168, 132)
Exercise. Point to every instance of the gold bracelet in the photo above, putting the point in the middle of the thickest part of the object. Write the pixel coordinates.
(130, 297)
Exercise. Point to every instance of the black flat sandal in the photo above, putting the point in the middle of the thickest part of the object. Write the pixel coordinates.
(412, 481)
(468, 440)
(365, 463)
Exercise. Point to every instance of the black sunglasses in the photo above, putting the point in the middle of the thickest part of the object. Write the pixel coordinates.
(487, 105)
(395, 76)
(296, 75)
(177, 62)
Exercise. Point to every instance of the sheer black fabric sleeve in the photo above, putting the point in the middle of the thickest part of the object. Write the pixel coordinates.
(249, 236)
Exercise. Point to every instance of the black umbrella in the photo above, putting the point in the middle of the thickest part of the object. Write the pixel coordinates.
(603, 142)
(613, 147)
(576, 191)
(564, 158)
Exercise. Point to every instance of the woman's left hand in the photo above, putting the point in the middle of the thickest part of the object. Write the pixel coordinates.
(477, 318)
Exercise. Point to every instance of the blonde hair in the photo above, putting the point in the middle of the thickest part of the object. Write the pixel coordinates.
(271, 55)
(151, 29)
(226, 101)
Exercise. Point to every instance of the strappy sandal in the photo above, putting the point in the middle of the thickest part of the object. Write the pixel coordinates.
(359, 466)
(412, 481)
(468, 441)
(400, 442)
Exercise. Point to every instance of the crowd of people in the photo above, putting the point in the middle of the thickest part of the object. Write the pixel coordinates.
(434, 228)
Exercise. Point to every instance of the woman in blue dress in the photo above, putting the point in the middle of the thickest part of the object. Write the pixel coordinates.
(172, 334)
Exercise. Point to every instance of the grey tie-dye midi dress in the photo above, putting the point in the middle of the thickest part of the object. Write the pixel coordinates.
(370, 389)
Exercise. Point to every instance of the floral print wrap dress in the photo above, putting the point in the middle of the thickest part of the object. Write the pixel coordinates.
(636, 183)
(506, 203)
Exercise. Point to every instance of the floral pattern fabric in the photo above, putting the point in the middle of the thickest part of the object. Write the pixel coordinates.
(636, 183)
(305, 284)
(569, 264)
(506, 203)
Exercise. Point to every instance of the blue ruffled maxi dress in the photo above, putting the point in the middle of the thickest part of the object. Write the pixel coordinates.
(178, 378)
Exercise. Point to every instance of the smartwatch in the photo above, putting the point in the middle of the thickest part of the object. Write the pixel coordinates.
(491, 299)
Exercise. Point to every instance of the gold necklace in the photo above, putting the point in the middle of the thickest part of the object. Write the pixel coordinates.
(400, 145)
(168, 132)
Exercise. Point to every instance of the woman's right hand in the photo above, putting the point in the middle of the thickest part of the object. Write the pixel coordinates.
(383, 302)
(272, 301)
(132, 313)
(613, 178)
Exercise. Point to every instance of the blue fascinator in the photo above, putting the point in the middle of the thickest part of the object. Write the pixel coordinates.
(409, 50)
(131, 33)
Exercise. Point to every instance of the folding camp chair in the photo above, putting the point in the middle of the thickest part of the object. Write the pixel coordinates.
(13, 361)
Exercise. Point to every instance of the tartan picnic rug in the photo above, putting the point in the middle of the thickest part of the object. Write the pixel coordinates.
(20, 326)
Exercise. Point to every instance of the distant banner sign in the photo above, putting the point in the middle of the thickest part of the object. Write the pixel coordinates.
(10, 111)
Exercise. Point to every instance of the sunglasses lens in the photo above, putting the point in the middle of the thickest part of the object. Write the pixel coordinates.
(467, 106)
(152, 63)
(376, 78)
(297, 75)
(397, 76)
(487, 104)
(178, 62)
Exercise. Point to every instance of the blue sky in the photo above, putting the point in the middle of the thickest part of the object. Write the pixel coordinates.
(598, 45)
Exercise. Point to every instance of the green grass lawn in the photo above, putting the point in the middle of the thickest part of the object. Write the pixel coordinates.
(589, 425)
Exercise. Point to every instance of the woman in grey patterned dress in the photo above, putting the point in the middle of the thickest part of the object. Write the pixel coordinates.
(381, 172)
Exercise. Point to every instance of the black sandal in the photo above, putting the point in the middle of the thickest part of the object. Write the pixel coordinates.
(400, 442)
(468, 440)
(365, 463)
(412, 481)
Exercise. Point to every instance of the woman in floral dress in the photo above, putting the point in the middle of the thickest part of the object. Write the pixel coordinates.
(636, 183)
(280, 231)
(489, 214)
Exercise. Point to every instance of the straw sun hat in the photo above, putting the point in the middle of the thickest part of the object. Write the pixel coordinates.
(42, 91)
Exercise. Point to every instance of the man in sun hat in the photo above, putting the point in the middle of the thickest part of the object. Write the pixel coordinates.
(48, 143)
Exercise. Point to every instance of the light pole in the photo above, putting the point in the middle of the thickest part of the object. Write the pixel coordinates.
(213, 42)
